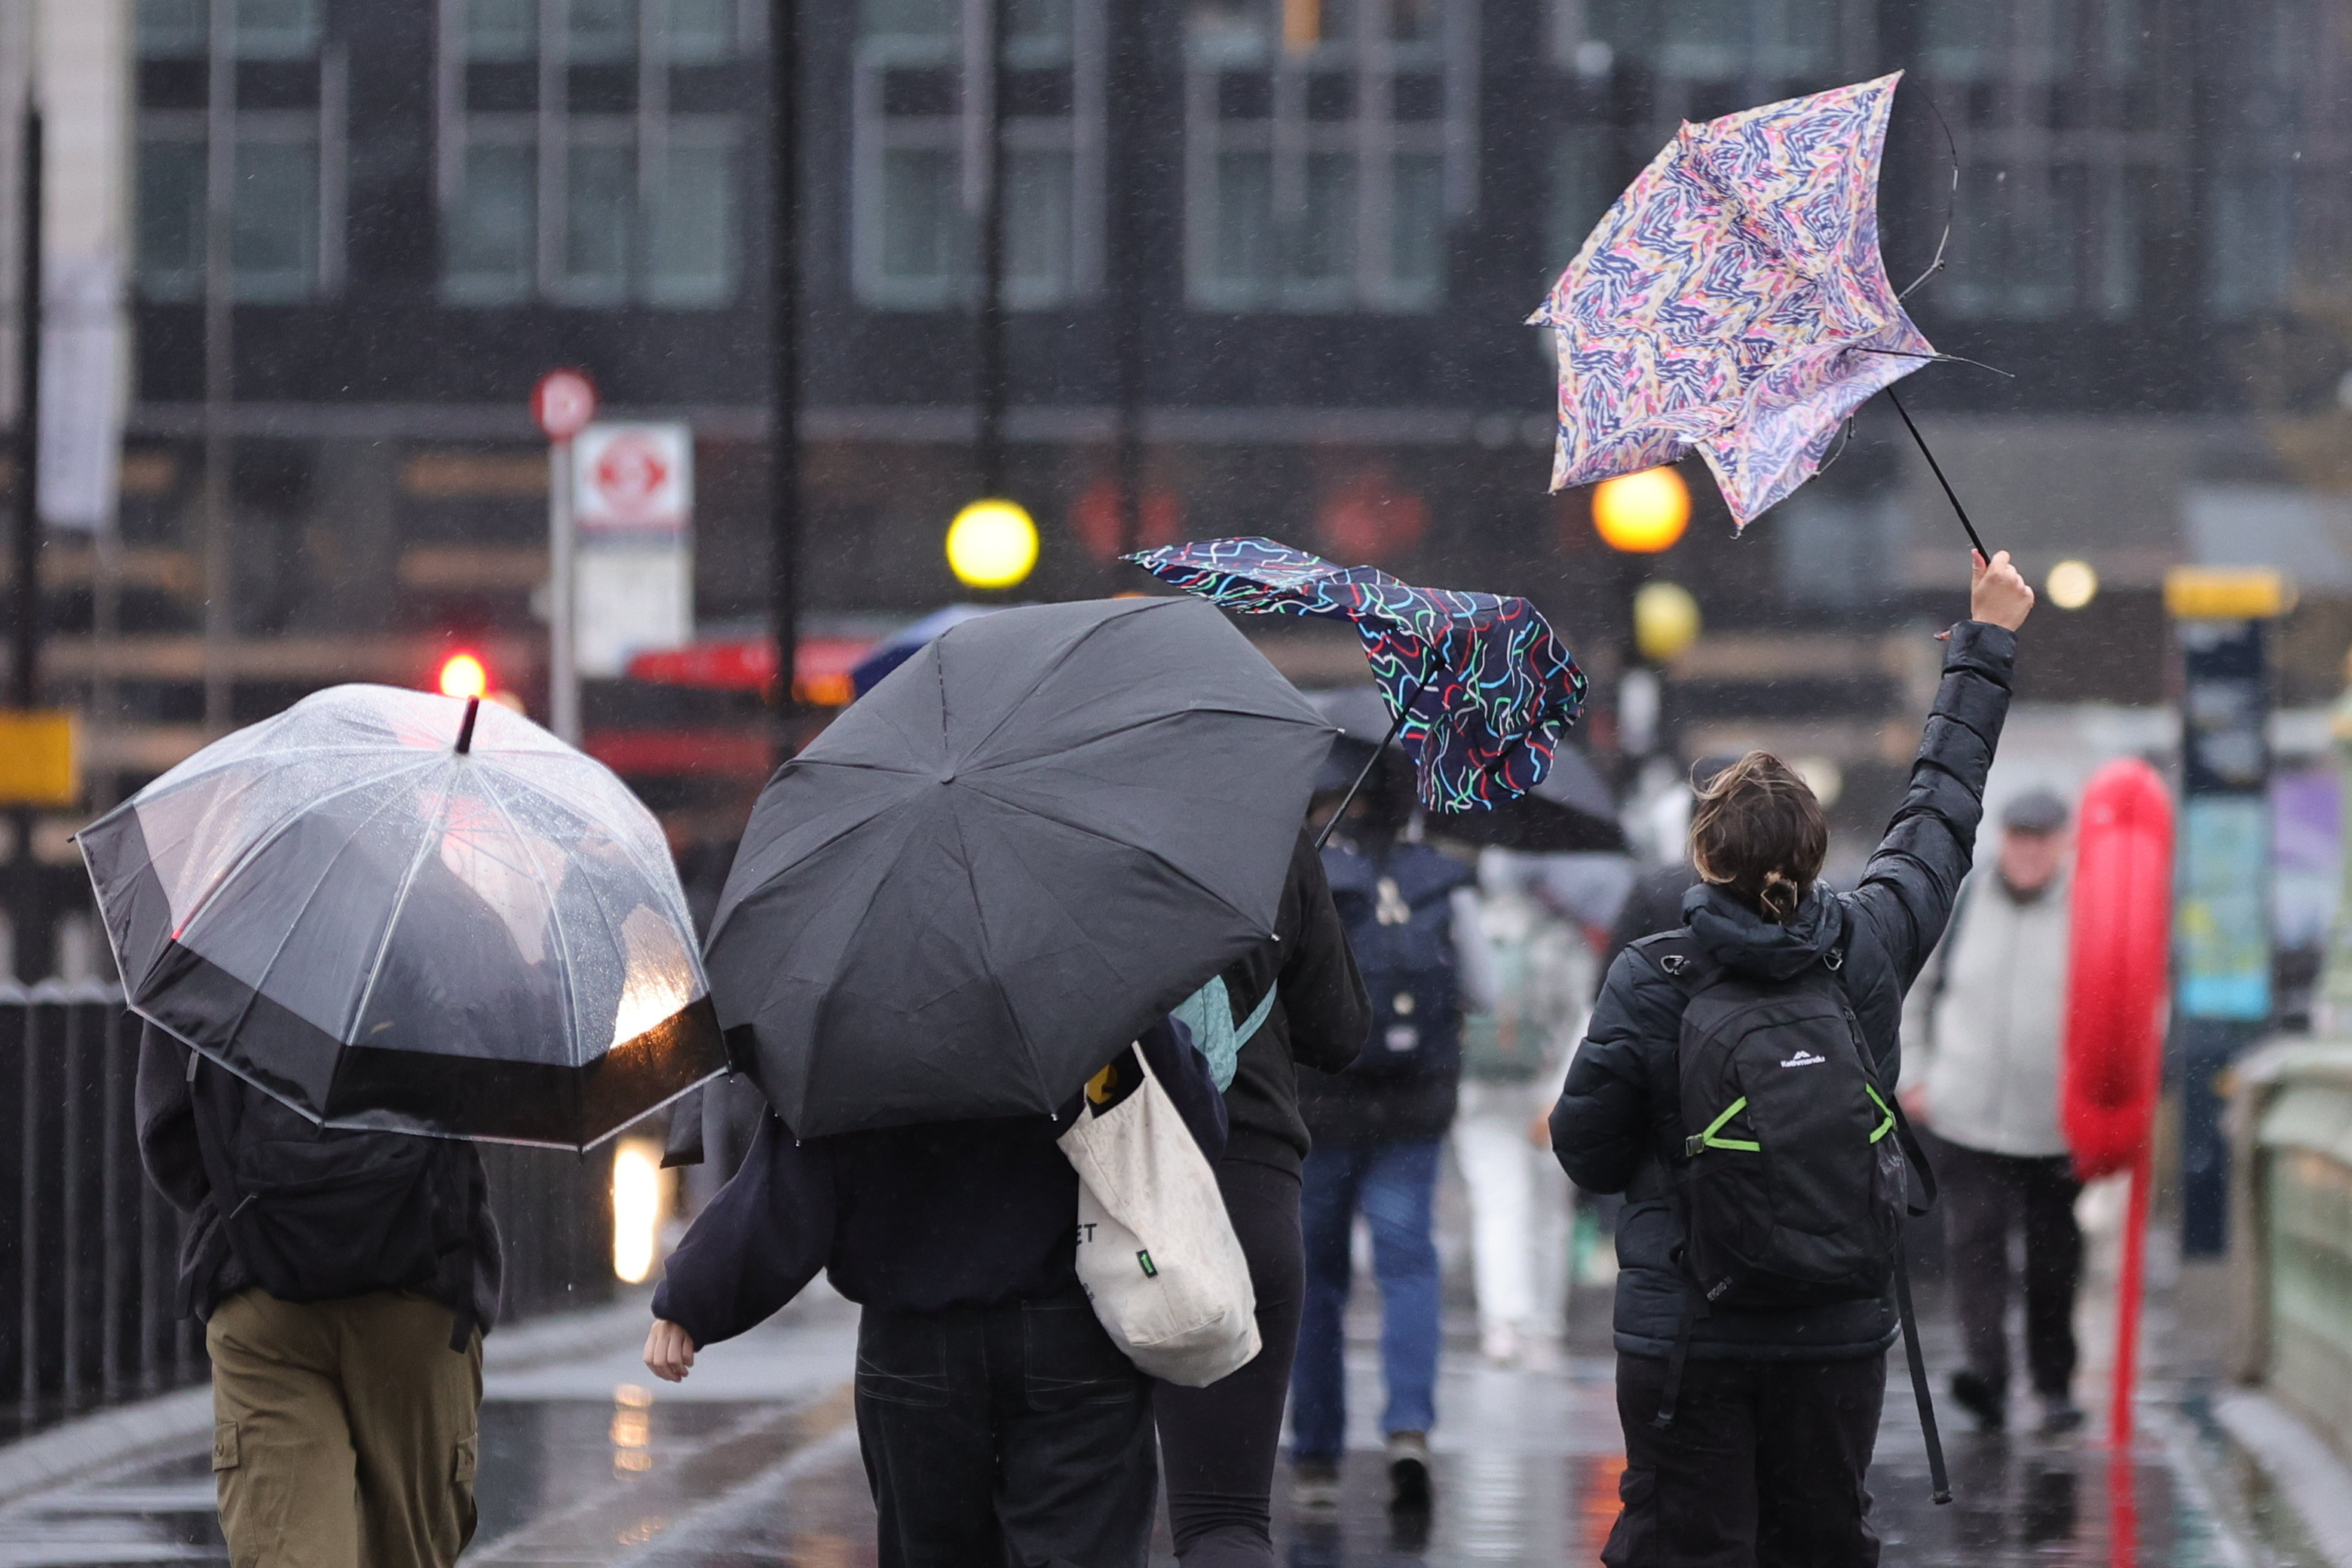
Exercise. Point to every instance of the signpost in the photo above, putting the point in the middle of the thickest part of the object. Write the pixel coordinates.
(633, 489)
(563, 403)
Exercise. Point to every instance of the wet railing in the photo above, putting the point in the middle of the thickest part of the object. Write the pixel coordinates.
(89, 1250)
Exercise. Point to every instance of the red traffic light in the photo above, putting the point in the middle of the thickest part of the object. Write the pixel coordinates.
(462, 674)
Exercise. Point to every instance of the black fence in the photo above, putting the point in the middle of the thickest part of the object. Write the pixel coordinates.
(89, 1250)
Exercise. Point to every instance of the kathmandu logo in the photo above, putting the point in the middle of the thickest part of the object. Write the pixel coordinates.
(1804, 1059)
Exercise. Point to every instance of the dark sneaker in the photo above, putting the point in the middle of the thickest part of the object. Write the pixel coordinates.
(1975, 1393)
(1409, 1472)
(2060, 1417)
(1315, 1485)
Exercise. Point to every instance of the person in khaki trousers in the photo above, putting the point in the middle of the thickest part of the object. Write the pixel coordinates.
(344, 1423)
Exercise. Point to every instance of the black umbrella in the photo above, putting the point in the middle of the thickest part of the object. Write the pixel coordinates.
(1000, 864)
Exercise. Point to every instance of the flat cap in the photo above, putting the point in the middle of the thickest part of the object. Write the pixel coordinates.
(2035, 811)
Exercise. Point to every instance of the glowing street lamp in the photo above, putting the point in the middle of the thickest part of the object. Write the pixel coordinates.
(2073, 585)
(1665, 621)
(462, 674)
(992, 543)
(1642, 513)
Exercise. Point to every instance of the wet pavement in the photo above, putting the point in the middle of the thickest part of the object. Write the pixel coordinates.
(754, 1462)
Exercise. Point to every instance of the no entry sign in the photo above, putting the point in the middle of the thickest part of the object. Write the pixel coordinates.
(563, 403)
(634, 478)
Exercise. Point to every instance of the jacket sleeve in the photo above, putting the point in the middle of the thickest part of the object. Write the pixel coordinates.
(1601, 1126)
(166, 1117)
(1184, 1073)
(1322, 995)
(757, 1244)
(1906, 890)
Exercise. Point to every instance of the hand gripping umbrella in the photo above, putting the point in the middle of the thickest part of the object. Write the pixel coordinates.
(399, 911)
(1734, 302)
(995, 868)
(1480, 689)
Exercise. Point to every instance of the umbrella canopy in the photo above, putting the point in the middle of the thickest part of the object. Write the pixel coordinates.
(385, 932)
(993, 872)
(1734, 302)
(906, 642)
(1483, 688)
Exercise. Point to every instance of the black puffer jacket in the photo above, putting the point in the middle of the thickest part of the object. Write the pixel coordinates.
(1618, 1126)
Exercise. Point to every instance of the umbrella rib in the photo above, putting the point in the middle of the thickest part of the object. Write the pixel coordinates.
(726, 913)
(988, 957)
(1013, 709)
(554, 914)
(1168, 717)
(399, 904)
(658, 877)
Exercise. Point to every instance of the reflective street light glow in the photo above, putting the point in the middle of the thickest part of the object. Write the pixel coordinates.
(992, 543)
(1665, 620)
(637, 1207)
(2072, 585)
(1642, 513)
(462, 674)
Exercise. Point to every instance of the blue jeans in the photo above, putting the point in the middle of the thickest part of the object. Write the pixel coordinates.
(1393, 1183)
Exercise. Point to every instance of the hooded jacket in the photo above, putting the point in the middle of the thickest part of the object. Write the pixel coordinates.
(1618, 1127)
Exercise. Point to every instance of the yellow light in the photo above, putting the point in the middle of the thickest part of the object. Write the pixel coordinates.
(991, 544)
(637, 1207)
(462, 674)
(2072, 585)
(1642, 513)
(1665, 620)
(2226, 592)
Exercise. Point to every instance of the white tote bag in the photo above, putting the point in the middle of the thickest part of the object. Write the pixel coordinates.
(1156, 1253)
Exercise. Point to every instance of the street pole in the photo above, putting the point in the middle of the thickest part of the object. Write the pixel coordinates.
(562, 598)
(29, 925)
(1128, 69)
(992, 370)
(784, 348)
(220, 223)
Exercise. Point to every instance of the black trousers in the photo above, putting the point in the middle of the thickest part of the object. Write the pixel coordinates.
(1014, 1435)
(1763, 1467)
(1219, 1444)
(1986, 1199)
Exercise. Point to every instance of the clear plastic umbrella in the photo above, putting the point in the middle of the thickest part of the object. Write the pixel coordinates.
(405, 911)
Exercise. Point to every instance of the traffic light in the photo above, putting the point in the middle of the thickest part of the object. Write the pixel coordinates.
(462, 674)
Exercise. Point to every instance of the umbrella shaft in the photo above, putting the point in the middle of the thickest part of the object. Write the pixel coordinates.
(1938, 470)
(1366, 771)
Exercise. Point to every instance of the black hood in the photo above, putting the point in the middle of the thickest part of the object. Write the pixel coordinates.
(1745, 943)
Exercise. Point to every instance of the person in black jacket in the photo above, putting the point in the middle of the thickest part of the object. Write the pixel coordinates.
(1219, 1444)
(1778, 1412)
(999, 1422)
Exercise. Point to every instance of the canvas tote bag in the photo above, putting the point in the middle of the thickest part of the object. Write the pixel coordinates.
(1156, 1253)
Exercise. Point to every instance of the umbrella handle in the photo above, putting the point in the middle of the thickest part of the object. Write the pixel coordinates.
(1366, 771)
(1937, 468)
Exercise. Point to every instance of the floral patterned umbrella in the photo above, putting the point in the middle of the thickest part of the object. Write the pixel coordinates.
(1734, 302)
(1480, 689)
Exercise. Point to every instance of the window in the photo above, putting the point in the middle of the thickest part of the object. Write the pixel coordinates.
(593, 160)
(1584, 182)
(1718, 40)
(2031, 41)
(921, 156)
(2276, 200)
(284, 150)
(1327, 151)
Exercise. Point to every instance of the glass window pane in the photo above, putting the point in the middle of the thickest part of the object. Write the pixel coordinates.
(597, 210)
(171, 218)
(691, 251)
(274, 244)
(1417, 227)
(1583, 184)
(1037, 229)
(502, 29)
(1242, 254)
(173, 29)
(936, 19)
(277, 29)
(2249, 240)
(1959, 38)
(1231, 32)
(2115, 282)
(1323, 247)
(1042, 22)
(924, 235)
(491, 229)
(700, 32)
(601, 31)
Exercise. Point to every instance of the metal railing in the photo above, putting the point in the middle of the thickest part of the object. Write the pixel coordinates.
(90, 1250)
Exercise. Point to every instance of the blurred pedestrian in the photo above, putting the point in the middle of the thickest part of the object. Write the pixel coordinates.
(1219, 1444)
(345, 1280)
(999, 1424)
(1987, 1025)
(1513, 1055)
(1379, 1129)
(1749, 1433)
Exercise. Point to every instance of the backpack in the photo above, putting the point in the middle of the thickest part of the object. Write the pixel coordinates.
(317, 1214)
(1397, 907)
(1795, 1160)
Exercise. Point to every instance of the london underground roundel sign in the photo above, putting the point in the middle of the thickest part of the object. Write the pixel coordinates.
(563, 403)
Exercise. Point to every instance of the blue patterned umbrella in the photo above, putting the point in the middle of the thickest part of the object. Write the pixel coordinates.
(1480, 689)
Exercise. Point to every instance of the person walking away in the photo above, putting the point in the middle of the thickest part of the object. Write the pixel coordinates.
(344, 1323)
(1218, 1445)
(1512, 1058)
(999, 1423)
(1378, 1130)
(1748, 1431)
(1991, 1018)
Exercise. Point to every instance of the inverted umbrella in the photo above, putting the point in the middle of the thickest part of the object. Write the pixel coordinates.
(402, 912)
(1733, 303)
(995, 868)
(1479, 689)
